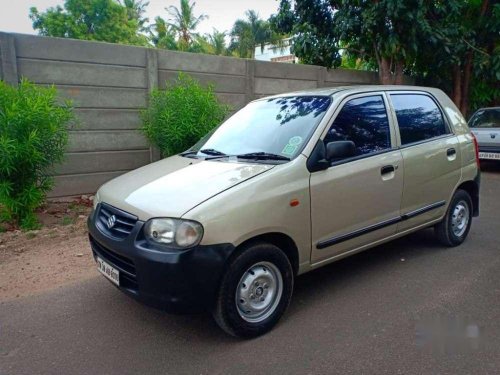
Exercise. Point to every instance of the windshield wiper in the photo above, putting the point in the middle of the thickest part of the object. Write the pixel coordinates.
(252, 155)
(206, 151)
(262, 156)
(211, 151)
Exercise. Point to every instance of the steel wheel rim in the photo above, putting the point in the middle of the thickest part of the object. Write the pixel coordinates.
(460, 218)
(259, 292)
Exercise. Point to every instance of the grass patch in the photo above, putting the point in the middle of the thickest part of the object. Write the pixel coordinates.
(67, 220)
(52, 233)
(30, 235)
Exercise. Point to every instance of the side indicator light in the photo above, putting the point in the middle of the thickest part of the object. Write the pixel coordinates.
(294, 202)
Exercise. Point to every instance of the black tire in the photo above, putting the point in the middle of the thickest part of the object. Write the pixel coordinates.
(445, 229)
(228, 313)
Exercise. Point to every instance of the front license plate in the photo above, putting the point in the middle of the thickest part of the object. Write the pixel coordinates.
(109, 271)
(489, 155)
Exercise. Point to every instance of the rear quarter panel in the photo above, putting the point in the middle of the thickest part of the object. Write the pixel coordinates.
(459, 124)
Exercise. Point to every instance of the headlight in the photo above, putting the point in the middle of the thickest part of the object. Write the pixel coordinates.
(97, 200)
(176, 233)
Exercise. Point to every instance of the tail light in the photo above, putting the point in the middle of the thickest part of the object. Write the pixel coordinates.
(476, 148)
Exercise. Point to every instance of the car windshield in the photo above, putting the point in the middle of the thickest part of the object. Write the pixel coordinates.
(486, 118)
(275, 128)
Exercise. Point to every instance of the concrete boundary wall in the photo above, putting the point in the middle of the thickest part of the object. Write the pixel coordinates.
(109, 85)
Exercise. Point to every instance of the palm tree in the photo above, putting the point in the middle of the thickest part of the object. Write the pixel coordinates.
(217, 42)
(184, 22)
(162, 35)
(135, 11)
(247, 34)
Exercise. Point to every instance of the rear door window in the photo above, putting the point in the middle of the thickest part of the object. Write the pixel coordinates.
(419, 118)
(363, 121)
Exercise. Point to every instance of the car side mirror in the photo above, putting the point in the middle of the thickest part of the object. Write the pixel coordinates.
(340, 150)
(322, 156)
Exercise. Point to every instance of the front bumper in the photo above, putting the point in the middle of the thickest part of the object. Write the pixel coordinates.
(168, 279)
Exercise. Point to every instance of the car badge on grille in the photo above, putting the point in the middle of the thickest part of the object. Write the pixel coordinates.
(111, 221)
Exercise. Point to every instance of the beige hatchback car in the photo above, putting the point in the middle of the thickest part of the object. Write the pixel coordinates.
(288, 184)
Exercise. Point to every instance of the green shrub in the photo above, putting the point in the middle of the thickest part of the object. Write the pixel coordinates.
(179, 116)
(33, 136)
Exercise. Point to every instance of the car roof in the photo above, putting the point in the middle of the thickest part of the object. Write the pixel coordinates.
(330, 91)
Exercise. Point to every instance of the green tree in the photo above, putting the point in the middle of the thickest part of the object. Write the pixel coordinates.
(462, 53)
(447, 42)
(162, 35)
(248, 34)
(217, 42)
(184, 23)
(136, 9)
(102, 20)
(382, 31)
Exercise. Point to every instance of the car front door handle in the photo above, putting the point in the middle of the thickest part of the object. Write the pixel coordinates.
(451, 152)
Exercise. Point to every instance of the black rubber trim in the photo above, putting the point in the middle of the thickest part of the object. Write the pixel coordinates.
(345, 237)
(359, 232)
(423, 210)
(417, 143)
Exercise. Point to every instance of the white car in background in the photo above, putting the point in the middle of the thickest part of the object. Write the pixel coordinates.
(485, 125)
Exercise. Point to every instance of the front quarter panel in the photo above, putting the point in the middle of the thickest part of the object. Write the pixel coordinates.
(260, 206)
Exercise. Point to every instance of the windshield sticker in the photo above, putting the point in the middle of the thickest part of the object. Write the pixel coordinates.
(295, 141)
(289, 149)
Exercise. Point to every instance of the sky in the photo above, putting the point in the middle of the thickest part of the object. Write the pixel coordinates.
(221, 13)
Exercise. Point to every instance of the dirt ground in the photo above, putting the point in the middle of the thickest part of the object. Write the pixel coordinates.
(36, 261)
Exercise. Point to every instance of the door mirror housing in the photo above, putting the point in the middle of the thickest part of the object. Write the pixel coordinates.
(340, 150)
(322, 156)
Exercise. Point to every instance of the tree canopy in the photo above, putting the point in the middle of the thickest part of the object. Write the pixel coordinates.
(418, 37)
(249, 33)
(453, 44)
(184, 22)
(101, 20)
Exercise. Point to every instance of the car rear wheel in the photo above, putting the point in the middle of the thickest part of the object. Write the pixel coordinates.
(255, 291)
(455, 226)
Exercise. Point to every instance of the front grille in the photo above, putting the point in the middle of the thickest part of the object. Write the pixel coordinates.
(122, 222)
(126, 266)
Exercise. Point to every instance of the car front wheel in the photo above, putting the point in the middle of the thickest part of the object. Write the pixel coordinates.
(255, 291)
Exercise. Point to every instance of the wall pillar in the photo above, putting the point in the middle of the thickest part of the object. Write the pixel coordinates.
(250, 81)
(8, 66)
(152, 79)
(321, 77)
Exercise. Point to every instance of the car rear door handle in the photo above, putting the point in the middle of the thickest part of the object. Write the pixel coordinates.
(451, 152)
(387, 169)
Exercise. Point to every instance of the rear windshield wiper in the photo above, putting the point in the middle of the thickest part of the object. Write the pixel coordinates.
(262, 156)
